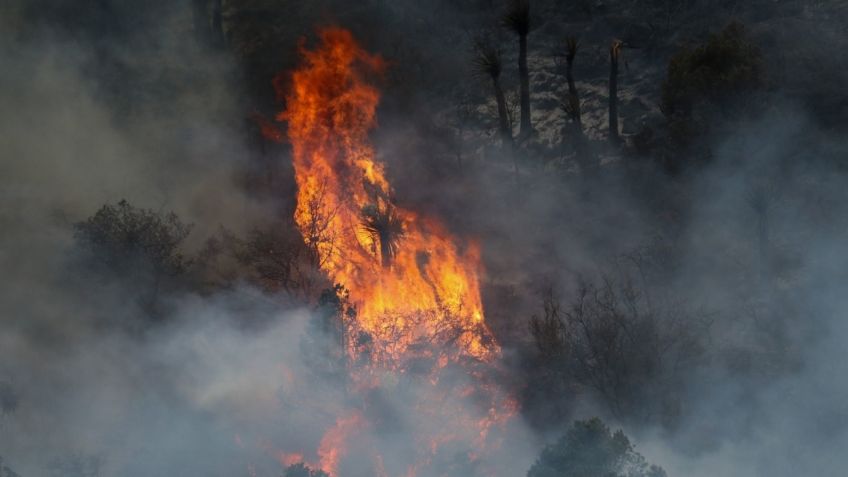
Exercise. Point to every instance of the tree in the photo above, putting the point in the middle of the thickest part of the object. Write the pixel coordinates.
(711, 82)
(572, 103)
(385, 226)
(589, 449)
(517, 19)
(275, 257)
(141, 246)
(620, 342)
(302, 470)
(615, 54)
(488, 63)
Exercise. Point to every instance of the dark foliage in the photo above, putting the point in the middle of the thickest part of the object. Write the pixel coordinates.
(302, 470)
(711, 82)
(139, 249)
(385, 228)
(589, 449)
(121, 237)
(618, 342)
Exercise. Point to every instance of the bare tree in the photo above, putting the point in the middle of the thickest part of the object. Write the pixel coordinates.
(615, 54)
(488, 63)
(517, 19)
(572, 104)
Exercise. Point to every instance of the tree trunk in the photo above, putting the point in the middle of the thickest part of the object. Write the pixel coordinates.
(524, 74)
(573, 98)
(615, 51)
(505, 128)
(503, 117)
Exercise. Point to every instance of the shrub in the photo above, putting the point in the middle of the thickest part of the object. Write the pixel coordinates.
(589, 449)
(711, 82)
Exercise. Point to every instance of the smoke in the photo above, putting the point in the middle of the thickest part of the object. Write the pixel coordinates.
(93, 113)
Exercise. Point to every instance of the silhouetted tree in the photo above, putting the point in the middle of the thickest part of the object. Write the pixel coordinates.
(572, 103)
(385, 228)
(139, 245)
(517, 19)
(589, 449)
(712, 82)
(302, 470)
(488, 62)
(615, 54)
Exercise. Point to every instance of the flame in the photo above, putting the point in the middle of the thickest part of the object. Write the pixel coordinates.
(408, 277)
(332, 447)
(414, 287)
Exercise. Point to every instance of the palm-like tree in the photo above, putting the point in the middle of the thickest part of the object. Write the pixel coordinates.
(488, 63)
(517, 19)
(385, 227)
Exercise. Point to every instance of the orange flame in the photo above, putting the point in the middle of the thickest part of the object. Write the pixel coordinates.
(407, 276)
(414, 286)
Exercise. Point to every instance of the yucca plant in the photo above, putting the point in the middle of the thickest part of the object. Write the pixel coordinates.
(517, 20)
(487, 62)
(385, 227)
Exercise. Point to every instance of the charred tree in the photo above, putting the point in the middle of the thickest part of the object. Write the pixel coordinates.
(488, 63)
(517, 19)
(573, 101)
(615, 54)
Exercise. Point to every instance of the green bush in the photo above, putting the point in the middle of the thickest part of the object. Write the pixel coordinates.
(589, 449)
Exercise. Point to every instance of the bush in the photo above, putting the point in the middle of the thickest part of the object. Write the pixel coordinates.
(711, 82)
(302, 470)
(139, 249)
(619, 339)
(589, 449)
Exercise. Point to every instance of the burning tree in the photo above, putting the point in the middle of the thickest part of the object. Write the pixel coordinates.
(393, 261)
(408, 296)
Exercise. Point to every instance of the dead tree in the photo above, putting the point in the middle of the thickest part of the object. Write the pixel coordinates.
(573, 101)
(517, 19)
(488, 63)
(615, 54)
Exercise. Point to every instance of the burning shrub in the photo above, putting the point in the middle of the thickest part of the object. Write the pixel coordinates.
(385, 228)
(589, 449)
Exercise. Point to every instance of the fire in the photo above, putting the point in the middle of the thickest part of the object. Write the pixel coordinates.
(409, 278)
(414, 287)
